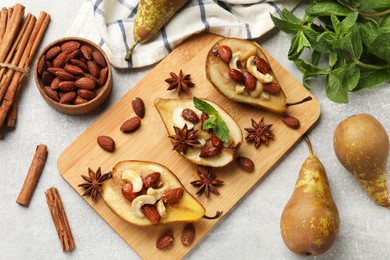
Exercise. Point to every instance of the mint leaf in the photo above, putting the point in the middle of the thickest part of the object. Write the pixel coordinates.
(221, 130)
(380, 47)
(210, 122)
(369, 31)
(352, 42)
(342, 80)
(287, 25)
(348, 22)
(299, 42)
(204, 107)
(328, 8)
(370, 78)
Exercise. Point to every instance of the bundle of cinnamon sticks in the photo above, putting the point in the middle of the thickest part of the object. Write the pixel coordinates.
(20, 37)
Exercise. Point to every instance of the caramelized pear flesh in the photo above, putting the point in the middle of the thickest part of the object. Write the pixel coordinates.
(168, 108)
(362, 146)
(310, 220)
(217, 72)
(186, 209)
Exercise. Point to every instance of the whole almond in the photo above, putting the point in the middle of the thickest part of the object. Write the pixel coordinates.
(67, 86)
(55, 83)
(151, 213)
(291, 122)
(262, 65)
(98, 57)
(87, 75)
(79, 100)
(216, 142)
(249, 81)
(151, 180)
(164, 241)
(131, 125)
(53, 70)
(245, 163)
(52, 94)
(106, 143)
(60, 60)
(86, 52)
(41, 66)
(127, 191)
(272, 88)
(190, 115)
(188, 235)
(236, 75)
(172, 195)
(86, 94)
(138, 107)
(47, 78)
(64, 75)
(224, 52)
(73, 69)
(53, 52)
(68, 97)
(210, 152)
(103, 75)
(79, 64)
(93, 68)
(72, 55)
(70, 46)
(85, 83)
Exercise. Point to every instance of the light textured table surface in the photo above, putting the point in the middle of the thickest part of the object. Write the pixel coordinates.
(249, 231)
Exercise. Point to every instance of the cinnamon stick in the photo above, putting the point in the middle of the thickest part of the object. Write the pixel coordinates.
(60, 220)
(3, 22)
(33, 175)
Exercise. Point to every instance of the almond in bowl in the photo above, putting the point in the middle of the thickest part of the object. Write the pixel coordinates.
(73, 75)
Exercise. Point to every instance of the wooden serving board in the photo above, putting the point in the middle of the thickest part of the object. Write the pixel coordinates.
(150, 143)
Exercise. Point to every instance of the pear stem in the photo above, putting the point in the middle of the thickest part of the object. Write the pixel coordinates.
(217, 215)
(308, 144)
(299, 102)
(128, 55)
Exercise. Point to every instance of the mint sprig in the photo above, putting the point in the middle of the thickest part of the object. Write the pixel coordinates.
(348, 42)
(214, 121)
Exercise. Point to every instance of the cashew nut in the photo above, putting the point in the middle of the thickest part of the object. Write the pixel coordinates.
(156, 193)
(233, 61)
(134, 178)
(258, 90)
(240, 88)
(251, 67)
(178, 119)
(139, 201)
(202, 143)
(162, 211)
(264, 96)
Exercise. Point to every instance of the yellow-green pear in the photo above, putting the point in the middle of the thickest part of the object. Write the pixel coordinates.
(310, 221)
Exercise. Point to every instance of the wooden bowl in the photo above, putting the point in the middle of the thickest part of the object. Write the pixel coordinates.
(102, 91)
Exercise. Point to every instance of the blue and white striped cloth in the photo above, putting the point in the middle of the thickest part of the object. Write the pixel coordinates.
(109, 23)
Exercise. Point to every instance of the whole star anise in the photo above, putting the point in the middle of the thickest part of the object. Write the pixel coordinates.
(183, 139)
(207, 182)
(93, 184)
(259, 133)
(181, 82)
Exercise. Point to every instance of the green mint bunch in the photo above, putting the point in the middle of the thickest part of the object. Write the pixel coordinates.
(353, 37)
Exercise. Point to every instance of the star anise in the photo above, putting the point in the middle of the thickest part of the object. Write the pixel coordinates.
(259, 133)
(181, 82)
(94, 182)
(183, 139)
(207, 182)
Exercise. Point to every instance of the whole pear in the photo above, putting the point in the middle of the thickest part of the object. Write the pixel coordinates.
(362, 146)
(310, 220)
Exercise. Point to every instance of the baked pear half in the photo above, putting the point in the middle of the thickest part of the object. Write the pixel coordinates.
(200, 136)
(147, 193)
(240, 71)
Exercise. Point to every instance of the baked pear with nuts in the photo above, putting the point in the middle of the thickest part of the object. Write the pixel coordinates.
(200, 130)
(147, 193)
(240, 71)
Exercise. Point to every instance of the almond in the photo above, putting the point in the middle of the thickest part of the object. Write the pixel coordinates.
(68, 97)
(99, 59)
(53, 52)
(47, 78)
(87, 75)
(291, 122)
(86, 51)
(188, 235)
(138, 107)
(41, 67)
(249, 81)
(79, 64)
(93, 68)
(70, 46)
(210, 152)
(245, 163)
(85, 83)
(224, 52)
(53, 70)
(73, 69)
(74, 54)
(216, 142)
(127, 191)
(52, 94)
(262, 65)
(190, 115)
(103, 75)
(55, 83)
(172, 195)
(236, 75)
(106, 143)
(64, 75)
(151, 180)
(151, 213)
(79, 100)
(67, 86)
(131, 125)
(60, 60)
(164, 241)
(86, 94)
(272, 88)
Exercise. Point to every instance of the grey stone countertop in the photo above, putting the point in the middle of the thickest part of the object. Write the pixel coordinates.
(249, 231)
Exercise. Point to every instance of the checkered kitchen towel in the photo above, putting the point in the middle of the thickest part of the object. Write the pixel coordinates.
(109, 23)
